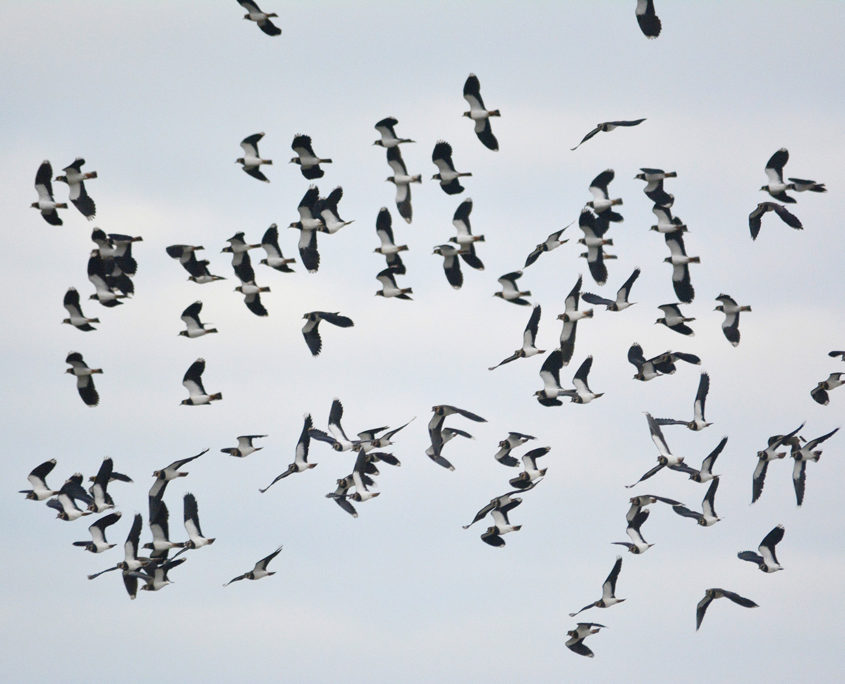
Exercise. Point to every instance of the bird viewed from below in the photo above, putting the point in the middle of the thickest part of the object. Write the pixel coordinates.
(446, 173)
(193, 383)
(765, 557)
(308, 162)
(608, 590)
(46, 204)
(387, 130)
(77, 319)
(604, 128)
(251, 161)
(84, 381)
(479, 114)
(311, 332)
(75, 179)
(529, 337)
(730, 326)
(262, 19)
(402, 180)
(715, 593)
(193, 326)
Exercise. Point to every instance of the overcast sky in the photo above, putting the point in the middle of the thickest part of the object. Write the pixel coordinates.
(156, 97)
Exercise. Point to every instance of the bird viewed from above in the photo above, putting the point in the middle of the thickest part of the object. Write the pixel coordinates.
(475, 459)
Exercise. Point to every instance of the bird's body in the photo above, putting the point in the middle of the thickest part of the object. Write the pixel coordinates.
(192, 381)
(479, 114)
(75, 179)
(402, 180)
(193, 326)
(84, 381)
(46, 204)
(251, 161)
(529, 336)
(730, 326)
(446, 173)
(308, 162)
(608, 590)
(604, 128)
(765, 557)
(77, 319)
(715, 593)
(261, 18)
(386, 129)
(311, 333)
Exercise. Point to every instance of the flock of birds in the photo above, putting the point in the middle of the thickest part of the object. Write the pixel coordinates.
(111, 266)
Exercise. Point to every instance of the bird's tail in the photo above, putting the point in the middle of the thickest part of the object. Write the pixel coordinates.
(213, 397)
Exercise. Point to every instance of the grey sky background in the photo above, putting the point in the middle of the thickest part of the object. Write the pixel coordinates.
(157, 96)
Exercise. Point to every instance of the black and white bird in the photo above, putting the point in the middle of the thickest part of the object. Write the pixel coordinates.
(647, 19)
(245, 446)
(465, 239)
(730, 326)
(604, 128)
(446, 173)
(513, 440)
(311, 332)
(327, 208)
(308, 162)
(708, 515)
(37, 479)
(46, 204)
(666, 223)
(193, 326)
(389, 248)
(336, 436)
(185, 255)
(402, 180)
(575, 642)
(251, 161)
(100, 498)
(505, 502)
(387, 131)
(602, 201)
(200, 273)
(161, 544)
(755, 218)
(705, 473)
(608, 590)
(654, 185)
(84, 381)
(837, 354)
(550, 375)
(65, 501)
(259, 570)
(262, 19)
(570, 317)
(446, 435)
(501, 526)
(155, 577)
(77, 319)
(662, 364)
(309, 224)
(765, 557)
(801, 455)
(638, 503)
(680, 266)
(698, 421)
(239, 248)
(370, 441)
(621, 302)
(766, 456)
(436, 428)
(274, 259)
(192, 381)
(300, 463)
(196, 539)
(820, 392)
(451, 264)
(510, 291)
(389, 288)
(479, 114)
(550, 243)
(75, 180)
(529, 338)
(715, 593)
(131, 561)
(164, 475)
(673, 319)
(252, 297)
(594, 229)
(98, 542)
(530, 471)
(665, 457)
(582, 394)
(105, 283)
(774, 171)
(637, 545)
